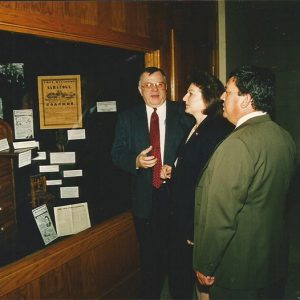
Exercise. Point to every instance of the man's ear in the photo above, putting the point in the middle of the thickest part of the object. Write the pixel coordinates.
(246, 101)
(140, 90)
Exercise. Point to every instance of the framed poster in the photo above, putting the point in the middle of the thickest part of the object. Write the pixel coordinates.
(60, 101)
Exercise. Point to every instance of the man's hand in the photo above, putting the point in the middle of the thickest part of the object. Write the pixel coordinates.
(165, 172)
(145, 161)
(205, 280)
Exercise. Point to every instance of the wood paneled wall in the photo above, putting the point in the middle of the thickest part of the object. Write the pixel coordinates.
(101, 262)
(124, 24)
(137, 25)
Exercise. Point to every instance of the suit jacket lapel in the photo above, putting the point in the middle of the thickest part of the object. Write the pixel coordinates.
(171, 129)
(142, 127)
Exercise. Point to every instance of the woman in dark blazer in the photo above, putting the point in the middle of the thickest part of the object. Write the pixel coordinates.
(203, 102)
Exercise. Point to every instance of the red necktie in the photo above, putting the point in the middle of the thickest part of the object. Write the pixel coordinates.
(155, 142)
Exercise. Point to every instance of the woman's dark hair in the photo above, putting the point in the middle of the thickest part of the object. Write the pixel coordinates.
(211, 88)
(259, 83)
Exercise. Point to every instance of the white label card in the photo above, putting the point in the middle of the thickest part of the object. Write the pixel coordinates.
(41, 155)
(49, 168)
(62, 158)
(24, 159)
(72, 173)
(4, 144)
(106, 106)
(27, 144)
(76, 134)
(69, 192)
(54, 182)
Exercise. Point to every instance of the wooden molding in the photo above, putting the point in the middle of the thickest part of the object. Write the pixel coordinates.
(30, 268)
(152, 59)
(64, 28)
(173, 65)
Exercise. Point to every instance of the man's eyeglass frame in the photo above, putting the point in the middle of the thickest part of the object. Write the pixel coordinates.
(151, 85)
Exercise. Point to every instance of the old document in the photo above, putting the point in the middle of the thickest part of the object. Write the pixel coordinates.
(60, 101)
(71, 219)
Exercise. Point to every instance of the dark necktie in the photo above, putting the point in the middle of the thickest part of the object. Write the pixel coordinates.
(155, 142)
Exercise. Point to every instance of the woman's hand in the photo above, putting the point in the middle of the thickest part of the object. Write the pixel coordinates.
(165, 172)
(205, 280)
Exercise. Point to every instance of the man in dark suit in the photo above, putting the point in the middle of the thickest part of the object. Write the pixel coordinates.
(240, 235)
(135, 152)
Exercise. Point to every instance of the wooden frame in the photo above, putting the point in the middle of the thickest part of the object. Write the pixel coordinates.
(64, 28)
(100, 262)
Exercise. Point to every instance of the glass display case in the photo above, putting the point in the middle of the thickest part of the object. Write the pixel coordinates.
(107, 79)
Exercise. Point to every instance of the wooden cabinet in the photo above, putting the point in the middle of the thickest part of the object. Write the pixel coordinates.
(18, 233)
(8, 223)
(7, 200)
(101, 262)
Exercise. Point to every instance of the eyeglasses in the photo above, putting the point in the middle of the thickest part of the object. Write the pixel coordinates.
(150, 85)
(233, 92)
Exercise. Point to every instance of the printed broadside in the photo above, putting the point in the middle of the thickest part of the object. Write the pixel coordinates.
(60, 101)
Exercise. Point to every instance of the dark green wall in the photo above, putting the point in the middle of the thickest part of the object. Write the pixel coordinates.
(267, 33)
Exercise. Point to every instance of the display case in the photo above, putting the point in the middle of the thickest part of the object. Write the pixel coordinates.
(35, 70)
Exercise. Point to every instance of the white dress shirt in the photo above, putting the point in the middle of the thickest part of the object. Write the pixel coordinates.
(161, 112)
(249, 116)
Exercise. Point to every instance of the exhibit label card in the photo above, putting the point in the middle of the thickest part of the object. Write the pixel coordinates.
(23, 124)
(54, 182)
(76, 134)
(71, 219)
(69, 192)
(44, 223)
(62, 157)
(72, 173)
(26, 144)
(49, 168)
(41, 155)
(24, 158)
(106, 106)
(4, 144)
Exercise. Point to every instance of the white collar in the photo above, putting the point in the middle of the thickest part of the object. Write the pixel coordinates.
(249, 116)
(160, 110)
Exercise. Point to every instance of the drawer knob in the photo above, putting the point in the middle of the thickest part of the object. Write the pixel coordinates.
(1, 208)
(2, 228)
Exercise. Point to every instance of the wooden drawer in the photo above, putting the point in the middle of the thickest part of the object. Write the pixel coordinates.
(6, 185)
(8, 228)
(6, 206)
(5, 166)
(7, 215)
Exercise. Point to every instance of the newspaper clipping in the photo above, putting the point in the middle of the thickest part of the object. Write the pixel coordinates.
(71, 219)
(44, 223)
(23, 124)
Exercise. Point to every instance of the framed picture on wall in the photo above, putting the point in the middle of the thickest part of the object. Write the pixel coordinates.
(60, 101)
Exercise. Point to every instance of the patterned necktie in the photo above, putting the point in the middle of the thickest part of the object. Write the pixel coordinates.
(155, 142)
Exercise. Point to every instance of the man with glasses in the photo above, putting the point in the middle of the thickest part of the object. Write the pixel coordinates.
(147, 136)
